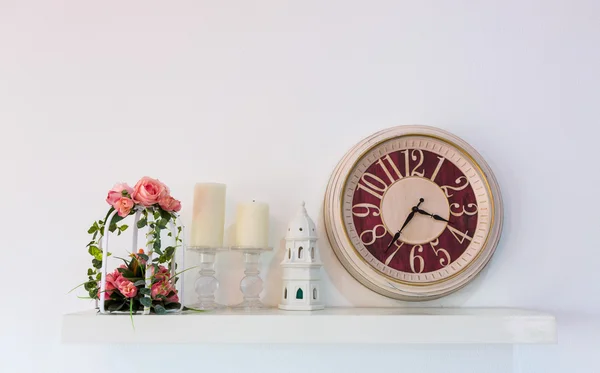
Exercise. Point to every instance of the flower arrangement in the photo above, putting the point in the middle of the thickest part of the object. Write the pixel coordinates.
(128, 288)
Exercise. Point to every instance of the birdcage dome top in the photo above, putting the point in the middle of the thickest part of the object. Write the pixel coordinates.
(301, 226)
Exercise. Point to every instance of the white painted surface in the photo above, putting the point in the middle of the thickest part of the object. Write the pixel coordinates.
(266, 97)
(334, 325)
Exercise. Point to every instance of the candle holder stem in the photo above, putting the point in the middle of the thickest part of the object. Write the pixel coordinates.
(251, 285)
(206, 284)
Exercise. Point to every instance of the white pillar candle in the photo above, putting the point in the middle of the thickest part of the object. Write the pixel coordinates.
(208, 217)
(252, 225)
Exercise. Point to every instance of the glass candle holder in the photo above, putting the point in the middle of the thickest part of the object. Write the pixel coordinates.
(251, 284)
(206, 284)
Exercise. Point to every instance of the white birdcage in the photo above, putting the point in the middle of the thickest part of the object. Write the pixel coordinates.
(150, 252)
(301, 266)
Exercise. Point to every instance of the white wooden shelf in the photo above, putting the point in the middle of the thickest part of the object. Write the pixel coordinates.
(332, 325)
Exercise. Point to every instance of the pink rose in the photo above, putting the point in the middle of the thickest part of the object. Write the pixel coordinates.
(110, 286)
(128, 289)
(114, 279)
(107, 294)
(163, 273)
(123, 206)
(163, 288)
(173, 299)
(169, 203)
(117, 192)
(149, 191)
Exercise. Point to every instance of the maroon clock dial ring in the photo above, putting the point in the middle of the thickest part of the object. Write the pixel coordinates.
(424, 163)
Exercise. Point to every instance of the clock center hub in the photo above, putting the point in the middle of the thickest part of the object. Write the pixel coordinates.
(398, 202)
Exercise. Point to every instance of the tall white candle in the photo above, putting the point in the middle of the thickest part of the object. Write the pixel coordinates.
(252, 225)
(208, 218)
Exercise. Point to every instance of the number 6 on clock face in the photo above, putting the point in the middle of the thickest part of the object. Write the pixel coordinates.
(455, 227)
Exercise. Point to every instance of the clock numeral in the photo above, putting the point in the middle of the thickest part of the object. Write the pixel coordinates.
(392, 165)
(416, 258)
(414, 158)
(445, 260)
(446, 188)
(389, 258)
(437, 168)
(373, 234)
(365, 210)
(460, 236)
(371, 187)
(465, 210)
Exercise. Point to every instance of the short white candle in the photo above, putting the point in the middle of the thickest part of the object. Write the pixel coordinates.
(252, 225)
(208, 217)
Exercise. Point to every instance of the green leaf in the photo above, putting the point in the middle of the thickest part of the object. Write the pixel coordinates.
(139, 283)
(95, 252)
(162, 223)
(97, 263)
(90, 285)
(173, 306)
(90, 272)
(160, 310)
(98, 276)
(156, 244)
(112, 227)
(146, 301)
(126, 273)
(156, 214)
(131, 314)
(142, 223)
(143, 257)
(169, 251)
(116, 306)
(145, 291)
(165, 214)
(123, 227)
(93, 228)
(115, 219)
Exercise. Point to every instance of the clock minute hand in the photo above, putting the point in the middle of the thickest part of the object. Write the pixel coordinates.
(434, 216)
(415, 209)
(397, 235)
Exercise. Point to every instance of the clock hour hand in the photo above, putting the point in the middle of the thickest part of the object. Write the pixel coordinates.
(434, 216)
(415, 209)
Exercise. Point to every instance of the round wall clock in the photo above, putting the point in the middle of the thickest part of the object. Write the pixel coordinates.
(413, 212)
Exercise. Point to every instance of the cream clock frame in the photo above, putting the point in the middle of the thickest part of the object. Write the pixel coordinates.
(364, 272)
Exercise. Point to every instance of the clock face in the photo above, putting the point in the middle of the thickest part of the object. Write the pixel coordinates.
(413, 212)
(406, 172)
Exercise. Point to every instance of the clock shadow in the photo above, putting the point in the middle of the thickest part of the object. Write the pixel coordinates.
(348, 291)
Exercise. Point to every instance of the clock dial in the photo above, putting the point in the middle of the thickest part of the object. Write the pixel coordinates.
(385, 186)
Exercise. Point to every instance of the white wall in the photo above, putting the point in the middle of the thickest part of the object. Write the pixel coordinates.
(267, 96)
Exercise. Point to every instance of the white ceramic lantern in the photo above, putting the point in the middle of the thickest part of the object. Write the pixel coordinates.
(301, 266)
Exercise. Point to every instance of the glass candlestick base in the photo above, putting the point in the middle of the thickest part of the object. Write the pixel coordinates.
(206, 284)
(251, 285)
